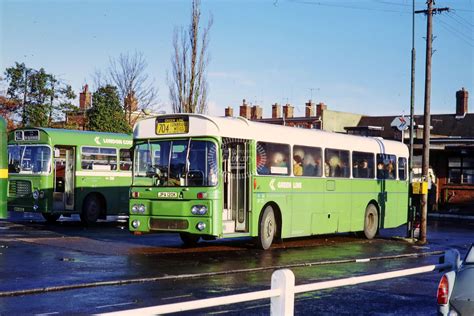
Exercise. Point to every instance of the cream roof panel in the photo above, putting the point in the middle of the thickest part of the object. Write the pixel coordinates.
(238, 127)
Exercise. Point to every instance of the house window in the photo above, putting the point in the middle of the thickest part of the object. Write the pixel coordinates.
(461, 170)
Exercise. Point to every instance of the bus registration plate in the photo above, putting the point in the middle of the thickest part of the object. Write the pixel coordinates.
(175, 125)
(167, 194)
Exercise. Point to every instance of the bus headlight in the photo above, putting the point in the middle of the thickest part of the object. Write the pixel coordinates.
(138, 208)
(201, 226)
(135, 223)
(36, 194)
(199, 210)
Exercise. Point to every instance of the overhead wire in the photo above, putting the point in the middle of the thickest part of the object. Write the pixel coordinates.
(457, 20)
(461, 18)
(455, 32)
(347, 6)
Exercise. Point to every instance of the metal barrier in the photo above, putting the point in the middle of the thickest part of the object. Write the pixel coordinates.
(283, 290)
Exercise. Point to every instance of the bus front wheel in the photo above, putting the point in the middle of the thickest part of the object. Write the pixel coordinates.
(189, 240)
(371, 221)
(266, 229)
(51, 218)
(91, 210)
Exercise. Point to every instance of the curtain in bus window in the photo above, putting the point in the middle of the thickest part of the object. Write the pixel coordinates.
(386, 166)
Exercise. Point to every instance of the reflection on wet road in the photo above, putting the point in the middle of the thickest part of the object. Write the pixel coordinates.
(34, 255)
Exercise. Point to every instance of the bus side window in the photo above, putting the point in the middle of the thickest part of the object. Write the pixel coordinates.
(386, 166)
(336, 163)
(307, 161)
(362, 165)
(273, 158)
(125, 159)
(402, 168)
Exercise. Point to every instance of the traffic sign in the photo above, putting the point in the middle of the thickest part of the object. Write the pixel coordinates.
(401, 123)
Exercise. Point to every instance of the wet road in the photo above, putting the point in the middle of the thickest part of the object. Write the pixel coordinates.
(35, 257)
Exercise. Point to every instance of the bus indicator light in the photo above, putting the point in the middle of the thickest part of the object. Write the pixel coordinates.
(135, 194)
(254, 184)
(202, 195)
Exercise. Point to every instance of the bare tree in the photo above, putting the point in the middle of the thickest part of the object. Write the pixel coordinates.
(188, 85)
(128, 73)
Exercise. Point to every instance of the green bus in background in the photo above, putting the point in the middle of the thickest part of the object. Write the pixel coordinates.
(62, 172)
(208, 177)
(3, 168)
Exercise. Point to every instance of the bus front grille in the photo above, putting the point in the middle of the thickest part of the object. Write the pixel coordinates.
(168, 224)
(19, 188)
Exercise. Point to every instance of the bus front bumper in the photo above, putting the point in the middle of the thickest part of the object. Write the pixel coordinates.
(193, 225)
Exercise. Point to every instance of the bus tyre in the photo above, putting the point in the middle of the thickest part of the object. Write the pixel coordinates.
(371, 221)
(266, 229)
(90, 210)
(51, 218)
(189, 240)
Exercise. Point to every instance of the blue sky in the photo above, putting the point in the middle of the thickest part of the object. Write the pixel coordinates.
(352, 55)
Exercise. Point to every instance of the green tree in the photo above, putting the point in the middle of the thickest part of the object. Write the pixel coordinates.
(40, 97)
(106, 113)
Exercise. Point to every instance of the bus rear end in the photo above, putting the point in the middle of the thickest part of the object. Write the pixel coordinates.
(175, 186)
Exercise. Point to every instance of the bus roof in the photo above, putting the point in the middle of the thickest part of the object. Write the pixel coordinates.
(241, 128)
(60, 136)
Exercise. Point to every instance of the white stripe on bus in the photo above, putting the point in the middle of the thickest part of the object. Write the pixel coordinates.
(103, 174)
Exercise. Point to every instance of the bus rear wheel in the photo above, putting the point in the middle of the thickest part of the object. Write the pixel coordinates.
(189, 240)
(371, 221)
(51, 218)
(91, 210)
(266, 229)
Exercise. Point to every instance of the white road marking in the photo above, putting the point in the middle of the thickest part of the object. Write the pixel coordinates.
(114, 305)
(173, 297)
(44, 314)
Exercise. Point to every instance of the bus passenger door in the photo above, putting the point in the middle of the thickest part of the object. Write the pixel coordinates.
(63, 194)
(236, 186)
(69, 183)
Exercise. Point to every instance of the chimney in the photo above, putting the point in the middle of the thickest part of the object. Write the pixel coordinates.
(85, 98)
(276, 111)
(256, 112)
(288, 111)
(461, 102)
(309, 109)
(245, 110)
(320, 107)
(229, 111)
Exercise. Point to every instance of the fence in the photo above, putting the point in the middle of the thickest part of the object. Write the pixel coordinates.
(283, 290)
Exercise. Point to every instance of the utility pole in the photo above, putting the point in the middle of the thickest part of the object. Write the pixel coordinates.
(427, 117)
(412, 123)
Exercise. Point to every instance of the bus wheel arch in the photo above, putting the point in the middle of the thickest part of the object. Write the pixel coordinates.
(269, 225)
(93, 208)
(371, 220)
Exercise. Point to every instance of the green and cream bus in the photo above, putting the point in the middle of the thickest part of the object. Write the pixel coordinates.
(3, 168)
(62, 172)
(215, 177)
